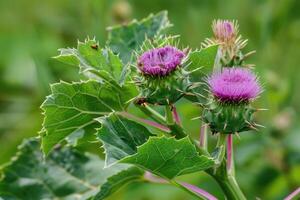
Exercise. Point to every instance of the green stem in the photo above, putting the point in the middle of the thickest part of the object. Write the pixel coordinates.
(169, 115)
(151, 113)
(203, 136)
(230, 188)
(225, 177)
(176, 129)
(221, 148)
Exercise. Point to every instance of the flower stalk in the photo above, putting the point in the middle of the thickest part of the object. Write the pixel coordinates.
(203, 136)
(230, 162)
(147, 110)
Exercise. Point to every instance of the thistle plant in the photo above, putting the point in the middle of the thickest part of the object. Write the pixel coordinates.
(139, 70)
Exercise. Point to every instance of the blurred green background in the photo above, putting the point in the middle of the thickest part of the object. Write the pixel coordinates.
(268, 161)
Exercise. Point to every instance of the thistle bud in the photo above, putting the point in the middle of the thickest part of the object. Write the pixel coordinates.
(232, 90)
(163, 78)
(225, 31)
(226, 35)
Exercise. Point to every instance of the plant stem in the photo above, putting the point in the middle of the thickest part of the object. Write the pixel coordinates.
(230, 188)
(176, 129)
(176, 116)
(230, 163)
(221, 148)
(203, 137)
(198, 191)
(169, 115)
(152, 113)
(224, 174)
(187, 190)
(145, 121)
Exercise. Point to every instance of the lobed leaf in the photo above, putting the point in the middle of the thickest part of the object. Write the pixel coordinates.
(168, 157)
(65, 174)
(93, 61)
(125, 39)
(73, 107)
(120, 137)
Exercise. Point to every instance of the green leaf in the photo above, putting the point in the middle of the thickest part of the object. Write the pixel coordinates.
(93, 60)
(120, 137)
(168, 157)
(125, 39)
(65, 174)
(73, 107)
(204, 58)
(114, 182)
(204, 61)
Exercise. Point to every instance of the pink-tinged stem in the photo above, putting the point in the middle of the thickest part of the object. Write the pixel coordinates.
(146, 121)
(198, 191)
(176, 116)
(293, 194)
(230, 164)
(203, 136)
(190, 188)
(154, 179)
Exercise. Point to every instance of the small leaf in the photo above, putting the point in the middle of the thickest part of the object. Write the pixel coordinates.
(125, 39)
(91, 59)
(204, 59)
(120, 137)
(73, 107)
(65, 174)
(168, 157)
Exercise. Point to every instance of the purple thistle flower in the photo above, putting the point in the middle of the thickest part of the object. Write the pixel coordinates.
(225, 30)
(234, 85)
(160, 61)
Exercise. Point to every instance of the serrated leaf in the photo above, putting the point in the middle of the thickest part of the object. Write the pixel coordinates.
(168, 157)
(65, 174)
(204, 59)
(114, 182)
(73, 107)
(120, 137)
(93, 60)
(125, 39)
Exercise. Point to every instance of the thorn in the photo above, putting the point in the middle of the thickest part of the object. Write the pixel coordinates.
(195, 118)
(238, 135)
(225, 125)
(130, 100)
(195, 85)
(249, 54)
(259, 125)
(249, 65)
(194, 70)
(261, 109)
(189, 94)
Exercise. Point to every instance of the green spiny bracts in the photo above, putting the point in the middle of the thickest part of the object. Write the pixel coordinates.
(229, 118)
(164, 90)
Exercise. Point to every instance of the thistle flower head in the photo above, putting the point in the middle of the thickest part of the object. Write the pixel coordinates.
(225, 31)
(160, 61)
(234, 84)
